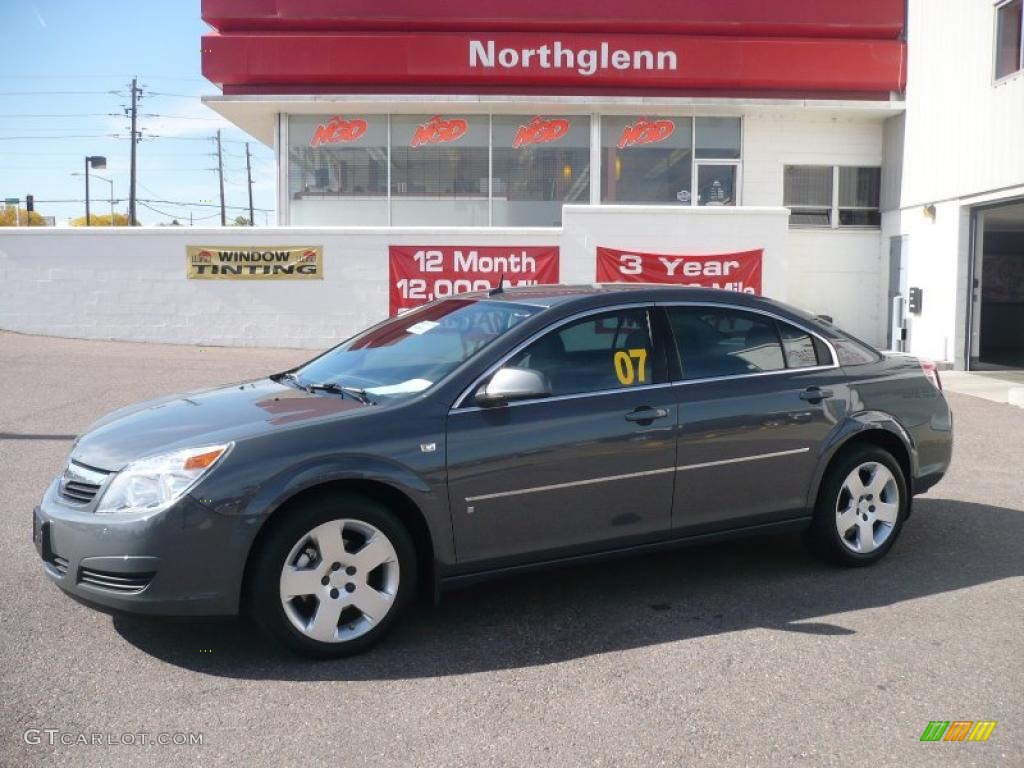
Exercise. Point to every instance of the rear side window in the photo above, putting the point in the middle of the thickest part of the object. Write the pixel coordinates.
(798, 347)
(852, 352)
(725, 342)
(610, 350)
(716, 342)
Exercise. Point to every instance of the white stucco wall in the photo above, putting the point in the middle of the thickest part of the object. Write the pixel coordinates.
(131, 285)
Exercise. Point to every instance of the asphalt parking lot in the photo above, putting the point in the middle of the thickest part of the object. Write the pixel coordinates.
(740, 653)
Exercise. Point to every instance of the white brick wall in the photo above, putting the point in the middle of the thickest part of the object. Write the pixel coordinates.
(131, 285)
(841, 273)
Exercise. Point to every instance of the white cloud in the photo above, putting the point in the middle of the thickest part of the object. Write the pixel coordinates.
(39, 17)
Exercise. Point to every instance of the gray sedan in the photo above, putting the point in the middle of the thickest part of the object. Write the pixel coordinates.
(486, 434)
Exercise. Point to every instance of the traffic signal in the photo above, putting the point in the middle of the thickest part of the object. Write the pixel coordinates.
(30, 203)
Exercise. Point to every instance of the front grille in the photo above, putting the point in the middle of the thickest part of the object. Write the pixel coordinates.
(123, 583)
(59, 563)
(79, 484)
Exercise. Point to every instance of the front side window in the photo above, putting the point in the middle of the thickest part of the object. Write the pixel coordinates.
(439, 169)
(408, 354)
(608, 351)
(646, 159)
(541, 162)
(1009, 29)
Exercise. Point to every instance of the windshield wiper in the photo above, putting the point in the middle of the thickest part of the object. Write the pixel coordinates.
(330, 386)
(288, 377)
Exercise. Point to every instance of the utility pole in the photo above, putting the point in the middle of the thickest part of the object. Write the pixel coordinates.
(220, 175)
(136, 92)
(248, 170)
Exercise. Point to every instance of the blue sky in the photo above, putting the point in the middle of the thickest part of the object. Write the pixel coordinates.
(63, 88)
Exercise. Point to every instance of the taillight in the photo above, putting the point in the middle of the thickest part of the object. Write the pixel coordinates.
(931, 372)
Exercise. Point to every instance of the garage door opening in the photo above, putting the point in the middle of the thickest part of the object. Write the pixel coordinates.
(998, 322)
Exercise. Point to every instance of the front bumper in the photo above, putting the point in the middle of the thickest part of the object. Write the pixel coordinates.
(187, 560)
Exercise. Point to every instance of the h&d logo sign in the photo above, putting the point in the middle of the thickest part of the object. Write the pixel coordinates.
(646, 132)
(276, 262)
(438, 131)
(540, 131)
(338, 130)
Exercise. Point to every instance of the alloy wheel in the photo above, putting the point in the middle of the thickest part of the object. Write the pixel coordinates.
(868, 507)
(339, 580)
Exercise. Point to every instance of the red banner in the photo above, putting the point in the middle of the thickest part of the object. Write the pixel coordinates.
(422, 273)
(729, 271)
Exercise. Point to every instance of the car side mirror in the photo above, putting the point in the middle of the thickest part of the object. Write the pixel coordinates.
(510, 383)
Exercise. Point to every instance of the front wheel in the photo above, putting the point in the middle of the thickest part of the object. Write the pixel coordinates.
(861, 507)
(333, 576)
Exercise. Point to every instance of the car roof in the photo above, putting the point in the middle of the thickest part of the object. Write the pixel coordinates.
(552, 295)
(595, 295)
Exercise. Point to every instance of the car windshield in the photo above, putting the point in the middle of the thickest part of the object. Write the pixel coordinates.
(410, 353)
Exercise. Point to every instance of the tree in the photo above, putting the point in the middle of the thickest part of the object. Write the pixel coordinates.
(101, 220)
(242, 221)
(8, 218)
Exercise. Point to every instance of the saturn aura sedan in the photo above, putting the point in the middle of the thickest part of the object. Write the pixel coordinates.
(486, 434)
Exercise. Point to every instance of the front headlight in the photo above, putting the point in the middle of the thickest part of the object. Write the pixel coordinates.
(153, 484)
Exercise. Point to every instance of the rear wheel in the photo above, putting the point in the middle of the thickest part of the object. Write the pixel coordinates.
(861, 507)
(333, 576)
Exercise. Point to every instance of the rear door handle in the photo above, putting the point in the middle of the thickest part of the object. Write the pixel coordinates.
(646, 413)
(814, 394)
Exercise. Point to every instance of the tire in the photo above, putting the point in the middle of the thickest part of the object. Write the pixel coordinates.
(861, 507)
(333, 576)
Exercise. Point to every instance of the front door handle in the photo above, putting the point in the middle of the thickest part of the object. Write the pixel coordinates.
(646, 414)
(815, 394)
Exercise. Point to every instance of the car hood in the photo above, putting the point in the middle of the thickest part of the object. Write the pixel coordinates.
(206, 417)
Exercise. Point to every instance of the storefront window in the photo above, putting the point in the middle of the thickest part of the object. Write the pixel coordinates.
(718, 137)
(1009, 32)
(439, 170)
(826, 196)
(807, 191)
(540, 163)
(337, 169)
(859, 190)
(716, 184)
(646, 159)
(501, 170)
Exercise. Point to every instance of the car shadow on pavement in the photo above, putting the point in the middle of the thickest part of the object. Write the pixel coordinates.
(554, 616)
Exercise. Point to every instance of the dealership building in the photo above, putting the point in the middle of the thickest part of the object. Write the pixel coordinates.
(866, 153)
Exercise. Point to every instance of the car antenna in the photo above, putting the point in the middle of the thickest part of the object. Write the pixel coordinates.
(499, 289)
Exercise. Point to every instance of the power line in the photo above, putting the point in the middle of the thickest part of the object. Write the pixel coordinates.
(61, 93)
(64, 114)
(159, 202)
(68, 136)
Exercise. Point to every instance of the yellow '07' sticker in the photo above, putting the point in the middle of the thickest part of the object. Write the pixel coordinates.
(630, 365)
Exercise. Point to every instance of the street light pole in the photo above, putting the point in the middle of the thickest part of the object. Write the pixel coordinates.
(91, 161)
(88, 217)
(111, 183)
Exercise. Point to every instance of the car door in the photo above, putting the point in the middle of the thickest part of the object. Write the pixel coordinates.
(583, 469)
(755, 404)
